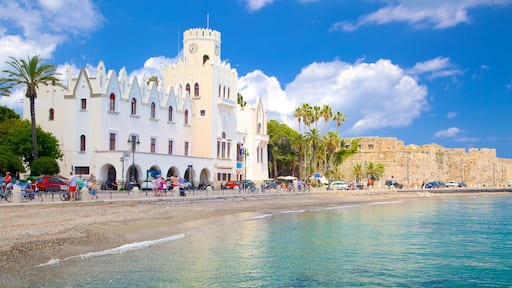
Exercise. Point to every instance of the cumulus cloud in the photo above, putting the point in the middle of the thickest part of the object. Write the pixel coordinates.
(254, 5)
(371, 95)
(437, 14)
(450, 132)
(38, 27)
(153, 67)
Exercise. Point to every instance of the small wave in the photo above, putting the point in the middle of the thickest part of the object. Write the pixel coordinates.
(117, 250)
(292, 211)
(386, 202)
(260, 217)
(341, 207)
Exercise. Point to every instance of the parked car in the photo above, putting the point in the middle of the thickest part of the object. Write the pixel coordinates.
(247, 184)
(338, 185)
(509, 183)
(49, 184)
(435, 184)
(462, 184)
(147, 185)
(231, 185)
(452, 184)
(394, 183)
(270, 184)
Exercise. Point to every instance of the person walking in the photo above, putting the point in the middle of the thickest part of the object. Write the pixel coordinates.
(72, 186)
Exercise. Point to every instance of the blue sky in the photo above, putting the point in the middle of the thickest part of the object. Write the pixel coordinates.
(422, 71)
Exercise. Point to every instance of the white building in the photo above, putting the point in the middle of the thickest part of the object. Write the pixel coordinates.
(185, 124)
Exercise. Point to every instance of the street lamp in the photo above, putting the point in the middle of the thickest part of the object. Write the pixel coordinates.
(133, 139)
(244, 153)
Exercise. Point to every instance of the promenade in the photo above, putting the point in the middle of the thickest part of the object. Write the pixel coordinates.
(227, 194)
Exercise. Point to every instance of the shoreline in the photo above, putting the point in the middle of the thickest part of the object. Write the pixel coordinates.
(34, 234)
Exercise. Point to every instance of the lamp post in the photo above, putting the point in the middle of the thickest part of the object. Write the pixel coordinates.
(133, 139)
(244, 153)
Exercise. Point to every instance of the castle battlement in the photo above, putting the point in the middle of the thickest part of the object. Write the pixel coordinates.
(201, 33)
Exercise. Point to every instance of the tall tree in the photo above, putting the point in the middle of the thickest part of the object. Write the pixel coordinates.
(326, 113)
(332, 144)
(30, 73)
(338, 118)
(316, 115)
(313, 139)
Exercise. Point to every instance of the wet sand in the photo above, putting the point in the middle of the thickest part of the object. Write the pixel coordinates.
(35, 233)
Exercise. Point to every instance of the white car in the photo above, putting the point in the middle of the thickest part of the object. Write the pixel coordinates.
(147, 185)
(452, 184)
(509, 183)
(338, 185)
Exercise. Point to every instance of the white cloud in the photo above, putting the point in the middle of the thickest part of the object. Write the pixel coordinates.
(371, 95)
(38, 27)
(451, 115)
(15, 100)
(450, 132)
(436, 64)
(438, 14)
(254, 5)
(153, 67)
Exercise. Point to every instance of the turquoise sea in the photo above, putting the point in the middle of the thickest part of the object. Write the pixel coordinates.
(428, 242)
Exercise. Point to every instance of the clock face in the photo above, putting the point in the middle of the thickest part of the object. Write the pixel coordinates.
(217, 50)
(192, 48)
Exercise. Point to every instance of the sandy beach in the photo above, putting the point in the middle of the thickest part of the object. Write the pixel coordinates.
(34, 233)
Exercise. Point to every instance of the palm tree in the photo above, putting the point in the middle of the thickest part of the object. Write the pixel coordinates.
(313, 138)
(326, 113)
(298, 145)
(30, 73)
(298, 114)
(338, 118)
(307, 114)
(358, 172)
(332, 144)
(374, 172)
(316, 115)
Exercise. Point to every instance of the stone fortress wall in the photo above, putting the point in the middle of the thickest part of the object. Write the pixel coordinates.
(414, 165)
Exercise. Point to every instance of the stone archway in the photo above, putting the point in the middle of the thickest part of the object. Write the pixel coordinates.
(173, 171)
(133, 174)
(189, 175)
(204, 177)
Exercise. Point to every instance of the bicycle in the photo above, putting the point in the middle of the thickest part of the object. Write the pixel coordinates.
(64, 195)
(5, 193)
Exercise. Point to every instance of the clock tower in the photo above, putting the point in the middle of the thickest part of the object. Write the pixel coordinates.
(201, 43)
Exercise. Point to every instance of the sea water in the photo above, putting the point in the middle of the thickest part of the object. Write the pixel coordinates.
(427, 242)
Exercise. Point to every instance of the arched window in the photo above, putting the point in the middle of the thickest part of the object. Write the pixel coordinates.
(186, 117)
(134, 106)
(219, 92)
(153, 110)
(228, 94)
(51, 117)
(196, 90)
(170, 114)
(82, 143)
(187, 88)
(112, 102)
(224, 92)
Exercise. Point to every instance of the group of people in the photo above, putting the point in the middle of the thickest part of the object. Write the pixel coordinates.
(76, 183)
(159, 186)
